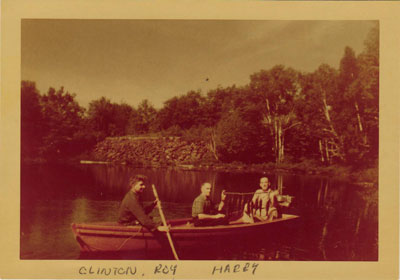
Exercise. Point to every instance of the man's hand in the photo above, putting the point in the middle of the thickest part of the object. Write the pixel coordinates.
(164, 228)
(155, 202)
(223, 195)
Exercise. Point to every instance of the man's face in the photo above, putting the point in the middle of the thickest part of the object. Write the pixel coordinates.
(206, 189)
(264, 183)
(139, 187)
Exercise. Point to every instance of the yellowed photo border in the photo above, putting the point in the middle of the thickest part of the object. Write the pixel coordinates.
(12, 11)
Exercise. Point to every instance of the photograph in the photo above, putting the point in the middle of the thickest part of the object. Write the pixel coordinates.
(199, 139)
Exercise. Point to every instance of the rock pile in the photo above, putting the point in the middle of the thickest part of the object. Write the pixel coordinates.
(152, 151)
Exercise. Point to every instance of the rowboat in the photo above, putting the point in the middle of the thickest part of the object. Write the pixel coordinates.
(112, 237)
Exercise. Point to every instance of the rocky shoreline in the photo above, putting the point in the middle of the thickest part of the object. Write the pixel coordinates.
(151, 151)
(175, 152)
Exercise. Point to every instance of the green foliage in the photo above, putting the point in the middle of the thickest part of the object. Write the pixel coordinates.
(300, 145)
(278, 90)
(342, 106)
(143, 120)
(197, 133)
(122, 115)
(109, 119)
(62, 118)
(185, 111)
(100, 116)
(31, 120)
(368, 82)
(174, 130)
(239, 139)
(219, 102)
(279, 86)
(317, 89)
(361, 103)
(348, 71)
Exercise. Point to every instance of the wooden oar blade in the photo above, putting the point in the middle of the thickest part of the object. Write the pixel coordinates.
(164, 223)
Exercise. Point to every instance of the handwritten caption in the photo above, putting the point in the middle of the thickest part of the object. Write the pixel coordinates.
(164, 269)
(128, 270)
(230, 268)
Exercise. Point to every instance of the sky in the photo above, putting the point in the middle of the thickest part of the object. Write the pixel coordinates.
(132, 60)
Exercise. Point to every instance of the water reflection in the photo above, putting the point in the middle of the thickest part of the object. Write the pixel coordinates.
(339, 221)
(339, 212)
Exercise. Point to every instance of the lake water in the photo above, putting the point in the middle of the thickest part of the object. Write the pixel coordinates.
(339, 220)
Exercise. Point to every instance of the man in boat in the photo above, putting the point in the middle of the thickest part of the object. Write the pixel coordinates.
(132, 211)
(264, 202)
(205, 212)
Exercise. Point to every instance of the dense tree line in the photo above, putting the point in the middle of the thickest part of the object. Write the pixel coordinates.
(282, 115)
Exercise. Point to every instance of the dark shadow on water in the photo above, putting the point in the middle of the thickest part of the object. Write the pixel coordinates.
(247, 251)
(126, 256)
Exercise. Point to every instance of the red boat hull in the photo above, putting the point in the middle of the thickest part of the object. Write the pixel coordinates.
(111, 237)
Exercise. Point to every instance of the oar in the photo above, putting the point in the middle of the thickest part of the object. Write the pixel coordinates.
(165, 223)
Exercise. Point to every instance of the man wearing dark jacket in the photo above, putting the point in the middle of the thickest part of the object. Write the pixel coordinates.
(132, 212)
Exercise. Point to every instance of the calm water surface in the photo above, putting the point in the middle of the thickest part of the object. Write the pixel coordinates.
(339, 221)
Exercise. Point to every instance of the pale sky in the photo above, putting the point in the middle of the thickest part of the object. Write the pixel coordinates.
(131, 60)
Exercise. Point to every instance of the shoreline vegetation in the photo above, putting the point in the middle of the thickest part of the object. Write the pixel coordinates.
(324, 122)
(175, 152)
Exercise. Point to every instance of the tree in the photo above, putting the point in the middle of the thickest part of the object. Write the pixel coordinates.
(349, 87)
(279, 89)
(62, 118)
(359, 94)
(364, 94)
(340, 108)
(121, 117)
(100, 116)
(218, 102)
(238, 138)
(109, 119)
(348, 74)
(318, 113)
(185, 111)
(31, 120)
(348, 70)
(369, 81)
(143, 120)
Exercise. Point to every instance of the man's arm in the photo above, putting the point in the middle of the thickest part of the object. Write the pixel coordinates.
(141, 216)
(221, 204)
(150, 207)
(207, 216)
